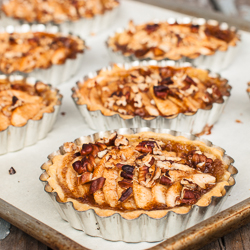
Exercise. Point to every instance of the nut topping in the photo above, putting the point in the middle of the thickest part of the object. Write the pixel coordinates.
(165, 180)
(84, 178)
(96, 185)
(102, 153)
(126, 194)
(78, 167)
(121, 141)
(86, 149)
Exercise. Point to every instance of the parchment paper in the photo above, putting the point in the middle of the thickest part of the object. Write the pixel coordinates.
(24, 190)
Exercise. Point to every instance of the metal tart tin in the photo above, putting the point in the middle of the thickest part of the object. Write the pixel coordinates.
(55, 74)
(216, 62)
(143, 228)
(15, 138)
(182, 122)
(83, 27)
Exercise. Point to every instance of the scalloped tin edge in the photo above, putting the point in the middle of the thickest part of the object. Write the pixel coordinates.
(83, 27)
(56, 73)
(15, 138)
(142, 228)
(189, 123)
(216, 62)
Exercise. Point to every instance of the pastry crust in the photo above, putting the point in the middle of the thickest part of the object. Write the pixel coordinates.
(24, 52)
(125, 179)
(172, 41)
(55, 11)
(20, 102)
(151, 91)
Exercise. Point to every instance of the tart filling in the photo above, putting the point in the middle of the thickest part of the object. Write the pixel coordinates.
(25, 52)
(151, 91)
(55, 10)
(20, 102)
(141, 173)
(173, 41)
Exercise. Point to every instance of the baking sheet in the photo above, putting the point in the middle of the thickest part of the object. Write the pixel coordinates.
(24, 190)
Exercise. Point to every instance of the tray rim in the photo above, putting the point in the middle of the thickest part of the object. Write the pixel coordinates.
(221, 223)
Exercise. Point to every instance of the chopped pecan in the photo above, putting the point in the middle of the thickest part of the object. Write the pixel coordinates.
(96, 185)
(128, 169)
(121, 141)
(110, 140)
(126, 175)
(77, 154)
(86, 149)
(190, 81)
(95, 150)
(142, 174)
(190, 197)
(194, 28)
(119, 165)
(166, 81)
(12, 171)
(125, 183)
(86, 162)
(14, 100)
(141, 52)
(142, 149)
(161, 91)
(101, 146)
(165, 180)
(84, 178)
(102, 153)
(78, 167)
(126, 194)
(152, 27)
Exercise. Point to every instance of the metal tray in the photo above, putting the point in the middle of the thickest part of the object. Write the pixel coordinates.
(24, 203)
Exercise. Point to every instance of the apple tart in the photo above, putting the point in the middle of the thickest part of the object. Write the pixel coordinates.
(23, 101)
(139, 173)
(190, 40)
(151, 91)
(78, 17)
(40, 51)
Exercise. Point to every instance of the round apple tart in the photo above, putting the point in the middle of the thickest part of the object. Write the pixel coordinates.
(28, 110)
(55, 11)
(173, 40)
(133, 174)
(27, 51)
(152, 92)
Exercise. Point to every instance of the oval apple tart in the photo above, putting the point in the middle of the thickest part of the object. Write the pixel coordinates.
(133, 174)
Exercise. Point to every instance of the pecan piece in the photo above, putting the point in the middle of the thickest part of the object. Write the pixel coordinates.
(161, 91)
(102, 153)
(14, 100)
(84, 178)
(111, 140)
(165, 180)
(128, 169)
(126, 194)
(125, 183)
(190, 197)
(96, 185)
(127, 175)
(190, 81)
(95, 150)
(119, 165)
(166, 81)
(143, 171)
(86, 162)
(78, 167)
(121, 141)
(86, 149)
(152, 27)
(101, 146)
